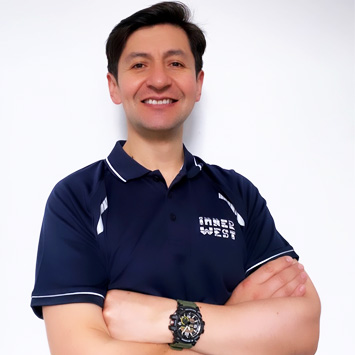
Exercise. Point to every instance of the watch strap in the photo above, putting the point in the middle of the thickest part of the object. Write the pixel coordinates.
(187, 304)
(181, 345)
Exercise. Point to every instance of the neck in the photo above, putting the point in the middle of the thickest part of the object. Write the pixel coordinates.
(165, 155)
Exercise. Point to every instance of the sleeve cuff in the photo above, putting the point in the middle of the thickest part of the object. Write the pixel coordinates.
(253, 268)
(73, 297)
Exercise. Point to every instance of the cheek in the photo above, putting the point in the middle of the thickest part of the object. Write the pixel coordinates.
(131, 88)
(191, 87)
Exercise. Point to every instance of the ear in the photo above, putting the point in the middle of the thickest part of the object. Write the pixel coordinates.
(114, 89)
(200, 78)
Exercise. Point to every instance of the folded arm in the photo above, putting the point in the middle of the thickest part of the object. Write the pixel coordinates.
(270, 326)
(79, 329)
(274, 311)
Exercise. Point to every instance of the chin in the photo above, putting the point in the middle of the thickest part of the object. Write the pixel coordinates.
(161, 131)
(163, 125)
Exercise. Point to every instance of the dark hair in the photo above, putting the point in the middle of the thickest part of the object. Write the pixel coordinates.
(175, 13)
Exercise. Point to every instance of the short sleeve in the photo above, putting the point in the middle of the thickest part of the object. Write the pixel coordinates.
(263, 242)
(70, 265)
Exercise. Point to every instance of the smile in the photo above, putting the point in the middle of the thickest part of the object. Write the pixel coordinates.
(159, 102)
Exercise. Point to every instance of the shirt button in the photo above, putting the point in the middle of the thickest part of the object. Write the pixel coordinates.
(170, 195)
(156, 178)
(173, 217)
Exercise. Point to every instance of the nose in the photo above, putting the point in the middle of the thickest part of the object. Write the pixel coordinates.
(158, 78)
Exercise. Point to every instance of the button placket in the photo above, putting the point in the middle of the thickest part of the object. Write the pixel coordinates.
(170, 203)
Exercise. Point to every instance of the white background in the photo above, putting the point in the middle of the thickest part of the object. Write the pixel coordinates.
(277, 106)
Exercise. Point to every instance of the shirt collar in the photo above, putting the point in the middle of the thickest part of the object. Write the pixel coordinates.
(126, 168)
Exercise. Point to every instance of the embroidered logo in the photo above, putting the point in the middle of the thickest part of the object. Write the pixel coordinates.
(220, 228)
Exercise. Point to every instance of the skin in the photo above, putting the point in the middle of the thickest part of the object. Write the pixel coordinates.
(274, 311)
(81, 328)
(156, 64)
(152, 66)
(274, 296)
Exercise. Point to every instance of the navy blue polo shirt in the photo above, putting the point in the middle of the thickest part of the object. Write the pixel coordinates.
(116, 225)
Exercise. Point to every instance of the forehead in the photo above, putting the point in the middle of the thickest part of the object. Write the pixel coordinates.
(158, 38)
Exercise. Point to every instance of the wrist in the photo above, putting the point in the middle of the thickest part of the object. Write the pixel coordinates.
(162, 322)
(151, 323)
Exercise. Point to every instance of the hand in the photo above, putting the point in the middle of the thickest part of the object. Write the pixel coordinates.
(136, 317)
(282, 277)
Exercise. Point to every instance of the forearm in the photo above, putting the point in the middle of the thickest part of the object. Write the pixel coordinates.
(106, 345)
(274, 311)
(284, 325)
(97, 342)
(102, 344)
(79, 329)
(273, 326)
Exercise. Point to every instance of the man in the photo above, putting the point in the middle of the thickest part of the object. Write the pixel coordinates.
(152, 224)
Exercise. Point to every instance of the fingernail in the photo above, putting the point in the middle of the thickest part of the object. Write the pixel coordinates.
(288, 259)
(303, 275)
(300, 266)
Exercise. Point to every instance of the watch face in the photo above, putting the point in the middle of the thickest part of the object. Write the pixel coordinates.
(189, 325)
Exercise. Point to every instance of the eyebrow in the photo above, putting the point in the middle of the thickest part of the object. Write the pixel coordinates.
(169, 53)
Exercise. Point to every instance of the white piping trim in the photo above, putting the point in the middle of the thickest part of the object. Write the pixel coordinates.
(199, 165)
(118, 175)
(239, 217)
(70, 294)
(266, 260)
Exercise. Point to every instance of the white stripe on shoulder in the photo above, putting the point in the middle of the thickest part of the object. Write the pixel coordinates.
(268, 259)
(116, 173)
(100, 224)
(239, 217)
(70, 294)
(199, 165)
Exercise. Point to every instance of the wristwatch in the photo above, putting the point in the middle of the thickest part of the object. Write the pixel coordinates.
(186, 325)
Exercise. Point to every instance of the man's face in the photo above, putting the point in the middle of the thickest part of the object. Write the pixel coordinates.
(157, 82)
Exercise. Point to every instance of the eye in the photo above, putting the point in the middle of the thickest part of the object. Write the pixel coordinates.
(176, 64)
(138, 66)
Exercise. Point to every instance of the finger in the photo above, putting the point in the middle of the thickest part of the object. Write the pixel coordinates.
(282, 279)
(296, 287)
(300, 291)
(271, 269)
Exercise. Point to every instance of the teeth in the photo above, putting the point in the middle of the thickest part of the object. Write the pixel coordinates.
(158, 102)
